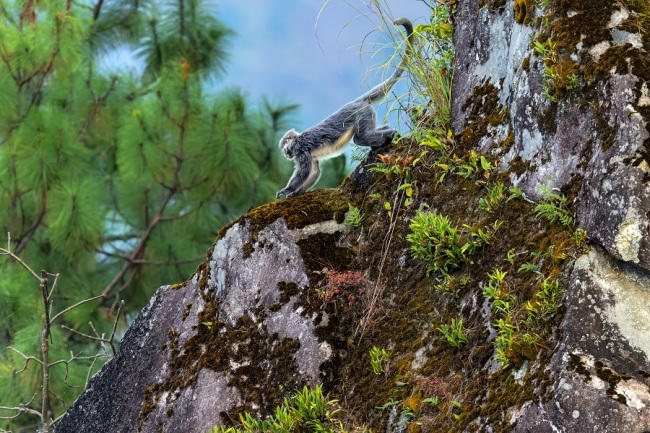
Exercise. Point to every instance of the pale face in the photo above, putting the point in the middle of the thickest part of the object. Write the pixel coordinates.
(288, 143)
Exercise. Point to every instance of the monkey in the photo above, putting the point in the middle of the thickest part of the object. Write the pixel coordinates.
(355, 120)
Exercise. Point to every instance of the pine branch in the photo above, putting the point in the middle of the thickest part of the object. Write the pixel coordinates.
(97, 9)
(139, 249)
(151, 262)
(96, 106)
(138, 252)
(25, 237)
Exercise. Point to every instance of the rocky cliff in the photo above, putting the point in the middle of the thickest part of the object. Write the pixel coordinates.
(545, 184)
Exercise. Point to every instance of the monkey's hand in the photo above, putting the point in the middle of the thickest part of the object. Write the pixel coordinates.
(286, 192)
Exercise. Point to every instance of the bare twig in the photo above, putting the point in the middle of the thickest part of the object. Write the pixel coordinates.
(21, 408)
(45, 355)
(97, 337)
(72, 307)
(26, 358)
(45, 414)
(9, 253)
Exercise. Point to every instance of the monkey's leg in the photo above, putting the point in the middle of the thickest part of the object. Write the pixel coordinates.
(367, 134)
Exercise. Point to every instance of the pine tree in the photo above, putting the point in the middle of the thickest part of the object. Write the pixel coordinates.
(117, 180)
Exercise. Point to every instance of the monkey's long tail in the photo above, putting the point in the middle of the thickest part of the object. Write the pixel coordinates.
(380, 91)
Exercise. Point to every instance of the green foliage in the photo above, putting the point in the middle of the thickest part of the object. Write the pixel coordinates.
(559, 76)
(454, 333)
(353, 218)
(431, 68)
(431, 400)
(444, 246)
(378, 359)
(114, 179)
(548, 298)
(515, 321)
(553, 206)
(531, 267)
(493, 199)
(473, 165)
(502, 304)
(515, 193)
(308, 411)
(580, 236)
(433, 238)
(389, 166)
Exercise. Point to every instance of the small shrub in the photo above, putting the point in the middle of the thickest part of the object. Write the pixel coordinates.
(454, 333)
(433, 238)
(445, 247)
(493, 199)
(378, 359)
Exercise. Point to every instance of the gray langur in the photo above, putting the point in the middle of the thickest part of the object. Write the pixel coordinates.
(328, 139)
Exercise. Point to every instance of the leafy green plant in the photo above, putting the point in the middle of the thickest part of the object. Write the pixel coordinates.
(444, 246)
(493, 199)
(504, 340)
(515, 193)
(553, 206)
(433, 238)
(531, 267)
(510, 256)
(436, 138)
(580, 236)
(433, 401)
(502, 304)
(408, 192)
(482, 237)
(353, 218)
(390, 403)
(472, 165)
(558, 76)
(454, 333)
(547, 51)
(309, 410)
(548, 297)
(529, 339)
(378, 359)
(446, 284)
(358, 153)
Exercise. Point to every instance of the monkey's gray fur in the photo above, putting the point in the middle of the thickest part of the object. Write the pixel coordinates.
(329, 138)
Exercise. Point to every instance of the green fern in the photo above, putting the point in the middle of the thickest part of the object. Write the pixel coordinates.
(553, 206)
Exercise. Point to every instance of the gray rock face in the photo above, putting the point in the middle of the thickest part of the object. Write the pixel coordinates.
(601, 367)
(594, 142)
(180, 367)
(597, 136)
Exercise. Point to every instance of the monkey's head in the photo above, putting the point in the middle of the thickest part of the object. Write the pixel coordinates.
(288, 143)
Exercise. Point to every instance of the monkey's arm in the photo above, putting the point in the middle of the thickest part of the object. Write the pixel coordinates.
(306, 174)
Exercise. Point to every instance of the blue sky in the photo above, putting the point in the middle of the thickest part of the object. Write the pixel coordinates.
(284, 50)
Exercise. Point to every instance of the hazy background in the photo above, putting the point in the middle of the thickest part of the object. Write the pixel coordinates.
(284, 50)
